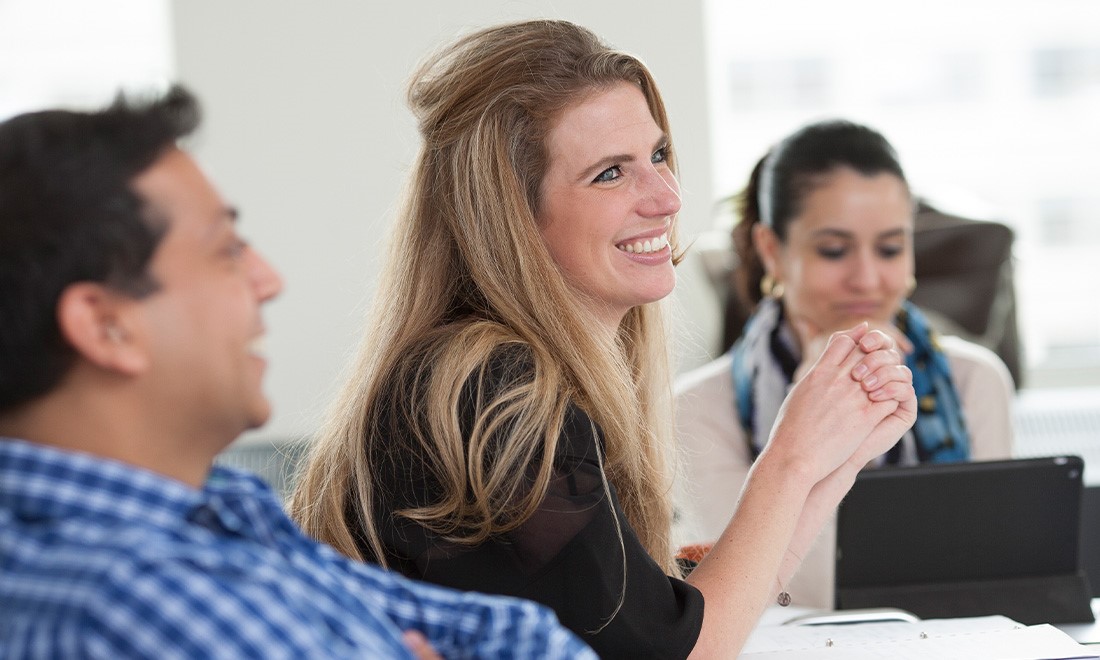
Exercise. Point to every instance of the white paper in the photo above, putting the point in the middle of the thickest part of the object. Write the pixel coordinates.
(993, 637)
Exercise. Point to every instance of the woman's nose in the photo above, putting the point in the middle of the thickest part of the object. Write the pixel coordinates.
(865, 272)
(660, 194)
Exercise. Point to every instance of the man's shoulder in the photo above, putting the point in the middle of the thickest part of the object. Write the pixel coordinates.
(112, 554)
(203, 599)
(72, 574)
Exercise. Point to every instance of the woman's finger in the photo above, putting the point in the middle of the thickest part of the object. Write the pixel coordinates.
(896, 390)
(868, 368)
(840, 348)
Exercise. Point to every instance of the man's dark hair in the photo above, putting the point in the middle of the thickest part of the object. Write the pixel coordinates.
(69, 213)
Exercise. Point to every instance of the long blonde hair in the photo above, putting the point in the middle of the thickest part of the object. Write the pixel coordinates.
(469, 275)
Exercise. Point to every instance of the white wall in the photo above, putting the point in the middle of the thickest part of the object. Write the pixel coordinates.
(306, 130)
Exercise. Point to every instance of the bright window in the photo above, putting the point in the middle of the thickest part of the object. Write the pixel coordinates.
(993, 106)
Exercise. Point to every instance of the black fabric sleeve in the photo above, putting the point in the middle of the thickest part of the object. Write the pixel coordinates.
(568, 556)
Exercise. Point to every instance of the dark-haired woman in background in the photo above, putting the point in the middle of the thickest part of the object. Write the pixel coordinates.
(824, 241)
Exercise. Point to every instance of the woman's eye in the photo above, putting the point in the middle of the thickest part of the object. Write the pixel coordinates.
(660, 156)
(610, 174)
(235, 249)
(890, 251)
(832, 253)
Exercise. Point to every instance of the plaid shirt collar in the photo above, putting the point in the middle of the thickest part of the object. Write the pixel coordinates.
(38, 482)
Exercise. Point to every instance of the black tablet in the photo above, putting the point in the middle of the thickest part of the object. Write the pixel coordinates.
(966, 539)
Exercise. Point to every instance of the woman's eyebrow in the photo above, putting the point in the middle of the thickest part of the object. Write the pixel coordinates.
(842, 233)
(607, 161)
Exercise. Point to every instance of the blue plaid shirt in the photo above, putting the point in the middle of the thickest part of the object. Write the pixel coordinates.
(103, 560)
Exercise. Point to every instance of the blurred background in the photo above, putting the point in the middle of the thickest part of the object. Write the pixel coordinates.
(994, 108)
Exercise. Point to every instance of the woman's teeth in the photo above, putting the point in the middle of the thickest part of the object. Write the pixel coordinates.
(643, 247)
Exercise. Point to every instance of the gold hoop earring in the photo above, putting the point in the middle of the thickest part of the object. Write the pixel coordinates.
(910, 286)
(771, 287)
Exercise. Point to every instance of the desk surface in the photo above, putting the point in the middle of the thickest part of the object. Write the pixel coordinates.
(1085, 633)
(974, 638)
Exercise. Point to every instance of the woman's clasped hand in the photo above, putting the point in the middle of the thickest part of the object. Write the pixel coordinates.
(850, 407)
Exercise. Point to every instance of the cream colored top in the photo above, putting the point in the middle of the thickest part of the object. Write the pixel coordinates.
(715, 459)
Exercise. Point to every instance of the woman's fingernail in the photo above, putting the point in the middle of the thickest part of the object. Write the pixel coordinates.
(870, 382)
(860, 371)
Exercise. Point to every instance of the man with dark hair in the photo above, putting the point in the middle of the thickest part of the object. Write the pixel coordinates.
(129, 357)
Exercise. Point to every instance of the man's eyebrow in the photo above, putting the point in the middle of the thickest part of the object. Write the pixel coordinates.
(217, 221)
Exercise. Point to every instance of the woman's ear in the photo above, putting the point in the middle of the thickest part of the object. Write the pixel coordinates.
(97, 324)
(767, 245)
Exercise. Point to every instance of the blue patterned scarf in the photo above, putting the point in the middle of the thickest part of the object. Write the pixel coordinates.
(764, 361)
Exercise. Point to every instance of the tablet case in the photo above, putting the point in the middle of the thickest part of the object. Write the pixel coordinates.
(966, 539)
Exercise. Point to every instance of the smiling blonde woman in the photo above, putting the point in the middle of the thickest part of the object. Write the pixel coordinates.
(506, 426)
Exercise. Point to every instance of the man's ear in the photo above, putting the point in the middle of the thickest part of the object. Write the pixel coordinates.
(767, 246)
(99, 324)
